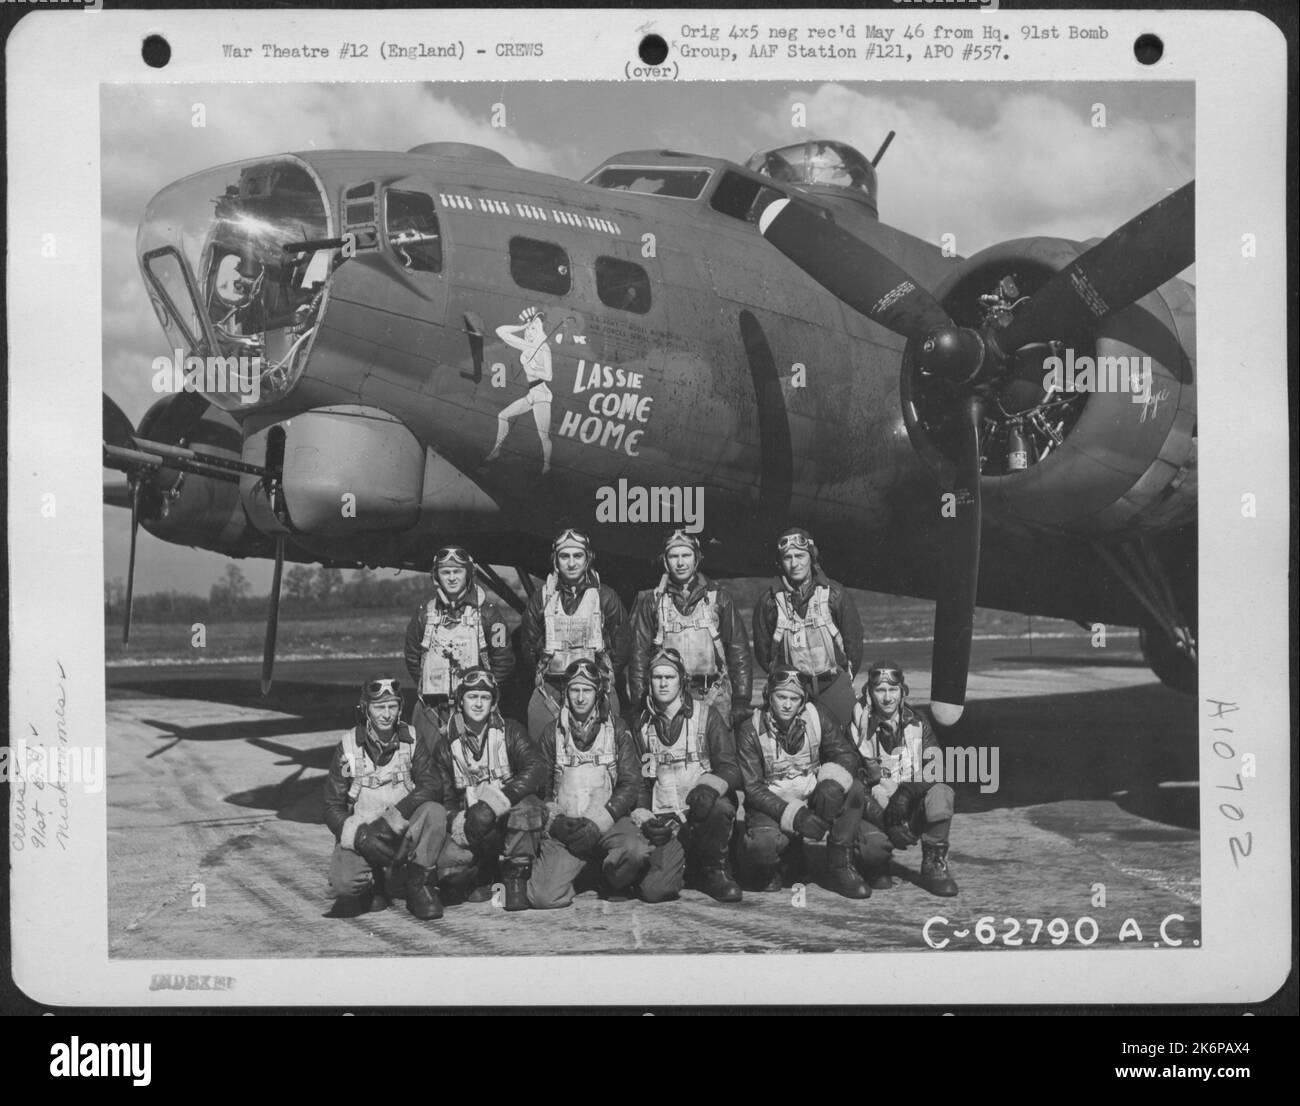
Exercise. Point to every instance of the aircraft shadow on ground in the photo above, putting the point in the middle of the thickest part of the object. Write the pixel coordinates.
(1120, 745)
(1137, 746)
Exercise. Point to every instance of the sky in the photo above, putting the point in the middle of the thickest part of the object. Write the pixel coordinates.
(982, 161)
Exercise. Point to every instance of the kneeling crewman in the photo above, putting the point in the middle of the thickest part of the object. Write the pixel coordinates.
(688, 773)
(906, 801)
(491, 775)
(380, 804)
(592, 785)
(799, 772)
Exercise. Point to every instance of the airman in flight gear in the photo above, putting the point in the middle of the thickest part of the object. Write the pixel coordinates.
(800, 785)
(491, 775)
(573, 616)
(810, 622)
(592, 786)
(689, 774)
(380, 803)
(457, 629)
(698, 618)
(906, 801)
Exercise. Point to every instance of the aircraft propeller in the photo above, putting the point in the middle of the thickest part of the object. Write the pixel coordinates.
(1132, 261)
(272, 616)
(168, 426)
(118, 432)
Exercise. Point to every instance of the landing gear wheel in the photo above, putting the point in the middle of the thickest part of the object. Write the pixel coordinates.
(1173, 667)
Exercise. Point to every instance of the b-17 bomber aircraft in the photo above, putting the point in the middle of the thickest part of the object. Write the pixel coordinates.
(436, 346)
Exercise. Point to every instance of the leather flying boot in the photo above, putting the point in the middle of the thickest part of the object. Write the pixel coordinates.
(422, 893)
(351, 906)
(717, 882)
(935, 877)
(841, 876)
(768, 878)
(877, 876)
(515, 873)
(379, 899)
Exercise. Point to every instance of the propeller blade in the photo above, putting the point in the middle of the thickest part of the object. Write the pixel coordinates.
(130, 566)
(272, 617)
(850, 269)
(954, 611)
(1148, 250)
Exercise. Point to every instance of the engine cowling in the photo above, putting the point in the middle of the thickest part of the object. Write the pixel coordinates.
(191, 509)
(1095, 462)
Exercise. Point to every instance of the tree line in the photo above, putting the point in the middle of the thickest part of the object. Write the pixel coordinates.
(307, 591)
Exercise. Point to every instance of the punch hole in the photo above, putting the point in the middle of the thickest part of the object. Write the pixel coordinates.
(653, 50)
(156, 51)
(1148, 49)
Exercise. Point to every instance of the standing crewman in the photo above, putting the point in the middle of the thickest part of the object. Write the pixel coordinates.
(491, 775)
(573, 616)
(457, 629)
(380, 804)
(902, 763)
(800, 785)
(699, 619)
(592, 786)
(689, 777)
(810, 622)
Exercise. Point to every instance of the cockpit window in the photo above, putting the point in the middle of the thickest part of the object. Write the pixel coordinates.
(540, 266)
(676, 183)
(412, 228)
(623, 285)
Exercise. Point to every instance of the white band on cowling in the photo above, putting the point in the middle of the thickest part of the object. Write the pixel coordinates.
(348, 836)
(834, 772)
(717, 783)
(771, 212)
(946, 714)
(602, 817)
(792, 809)
(495, 798)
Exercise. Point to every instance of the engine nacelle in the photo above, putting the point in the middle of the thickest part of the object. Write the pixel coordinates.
(1100, 460)
(350, 470)
(189, 509)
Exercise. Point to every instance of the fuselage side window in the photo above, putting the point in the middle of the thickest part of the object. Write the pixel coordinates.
(360, 218)
(411, 224)
(539, 266)
(623, 285)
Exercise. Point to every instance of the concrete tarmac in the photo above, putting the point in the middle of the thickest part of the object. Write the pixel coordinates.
(210, 783)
